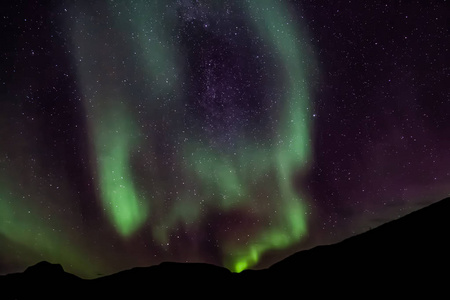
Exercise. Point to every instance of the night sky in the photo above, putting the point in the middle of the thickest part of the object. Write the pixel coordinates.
(229, 132)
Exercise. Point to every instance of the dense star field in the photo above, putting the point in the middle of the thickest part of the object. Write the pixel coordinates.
(226, 132)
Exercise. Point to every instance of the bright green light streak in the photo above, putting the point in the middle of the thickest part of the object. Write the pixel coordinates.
(113, 130)
(114, 142)
(293, 149)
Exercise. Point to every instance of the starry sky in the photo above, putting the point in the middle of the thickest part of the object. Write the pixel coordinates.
(228, 132)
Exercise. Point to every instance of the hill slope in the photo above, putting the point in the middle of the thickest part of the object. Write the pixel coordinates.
(412, 252)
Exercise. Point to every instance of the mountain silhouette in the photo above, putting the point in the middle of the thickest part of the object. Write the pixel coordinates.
(409, 255)
(405, 257)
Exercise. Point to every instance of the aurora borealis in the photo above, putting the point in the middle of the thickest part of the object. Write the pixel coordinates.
(227, 132)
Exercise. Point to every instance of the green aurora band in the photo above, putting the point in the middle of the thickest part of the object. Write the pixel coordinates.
(292, 150)
(114, 142)
(223, 181)
(115, 137)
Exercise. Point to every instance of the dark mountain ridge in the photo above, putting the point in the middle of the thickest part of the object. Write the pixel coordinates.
(408, 256)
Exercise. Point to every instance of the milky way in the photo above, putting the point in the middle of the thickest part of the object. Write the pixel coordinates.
(227, 132)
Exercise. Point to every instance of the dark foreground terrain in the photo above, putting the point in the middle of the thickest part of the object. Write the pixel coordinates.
(406, 257)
